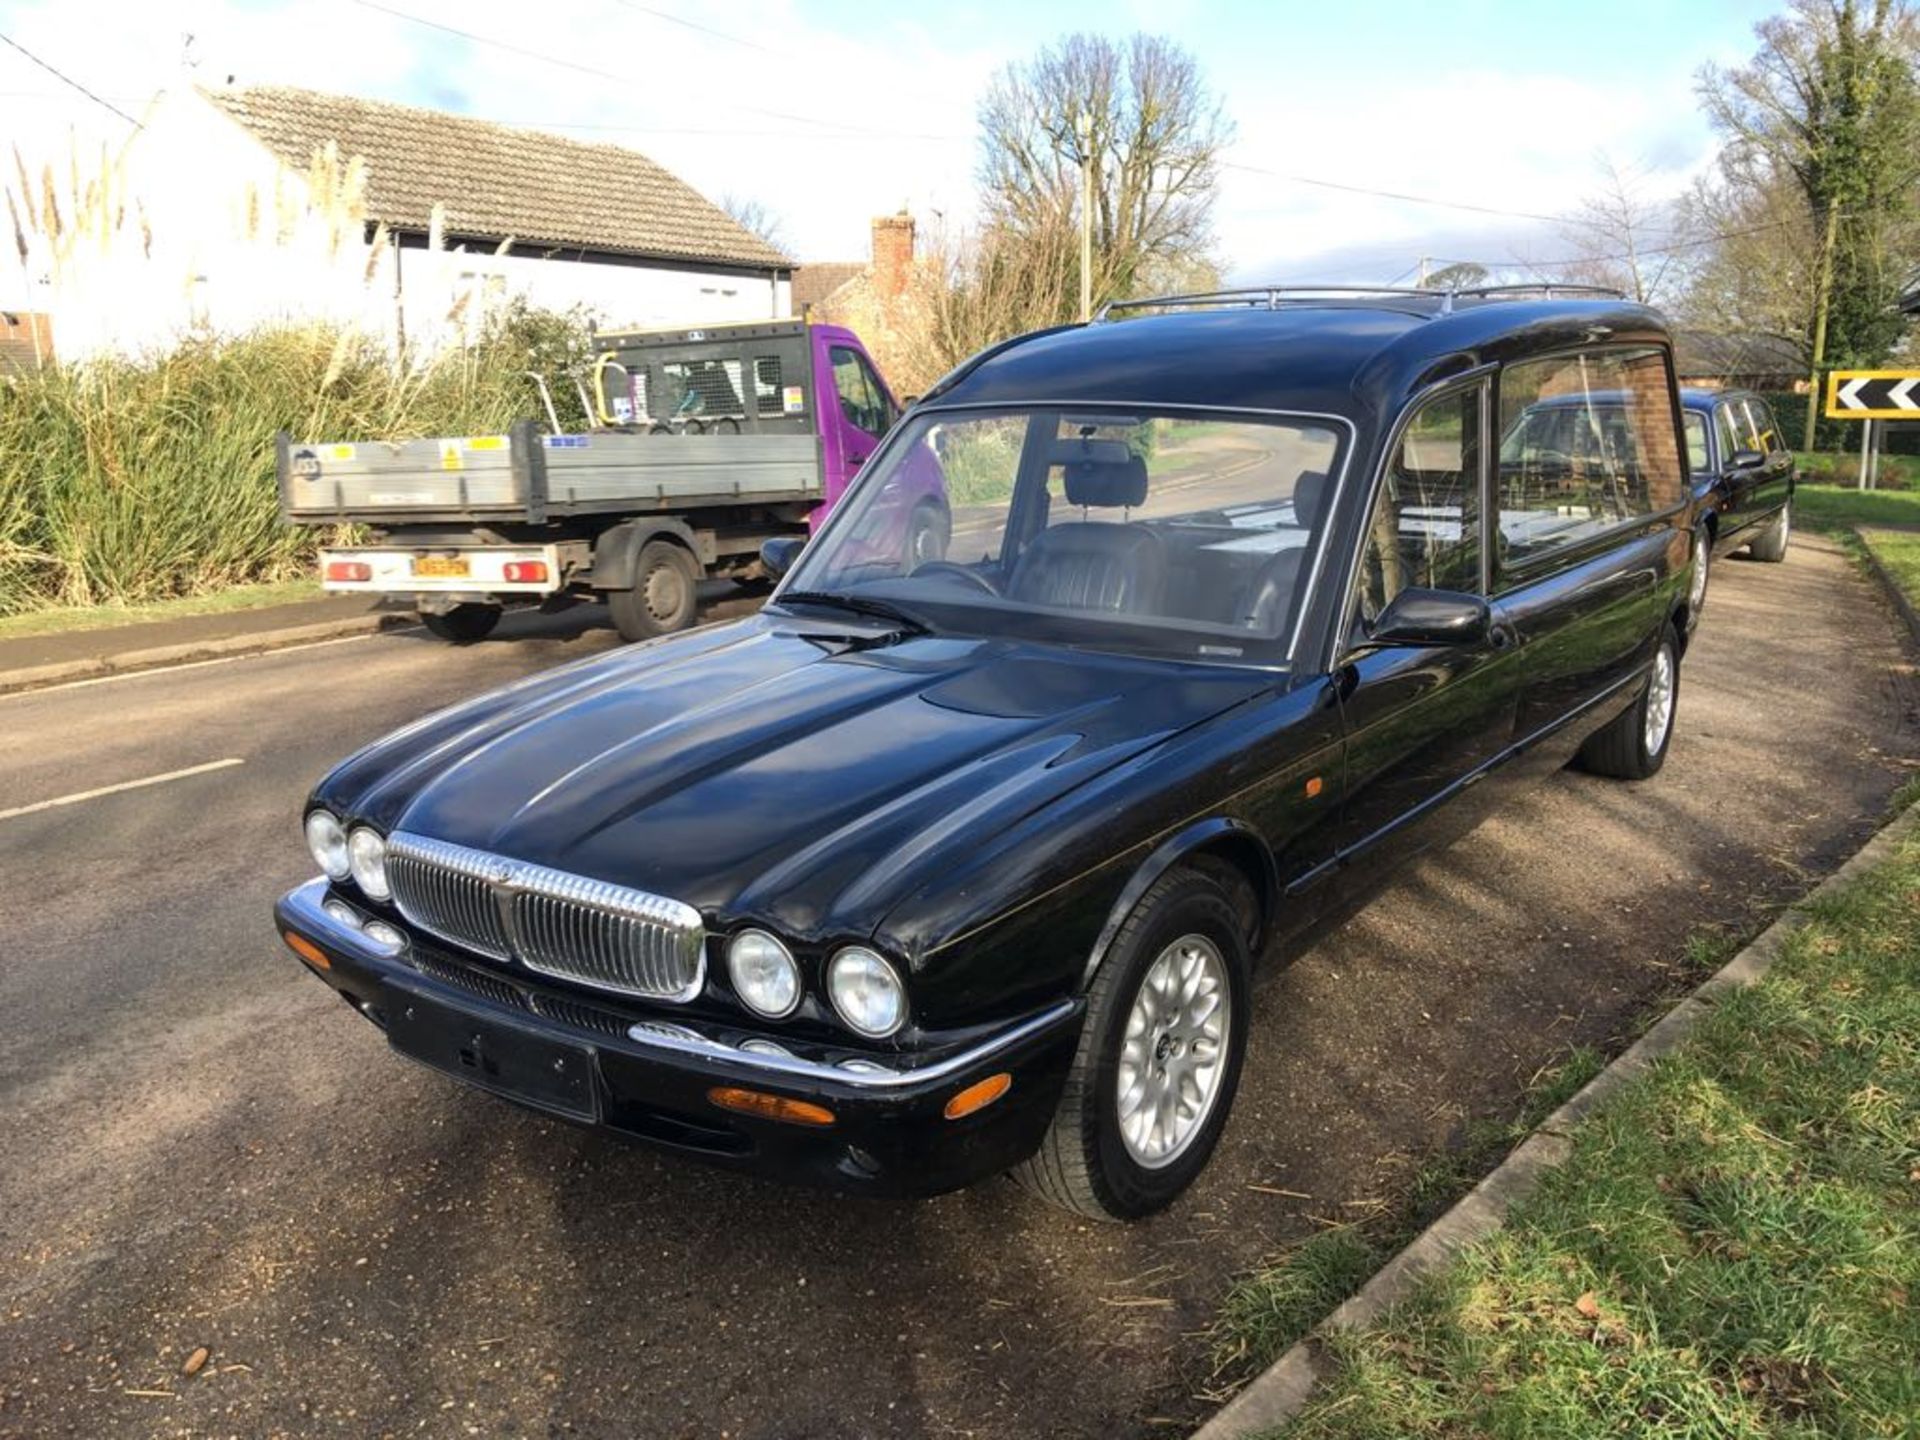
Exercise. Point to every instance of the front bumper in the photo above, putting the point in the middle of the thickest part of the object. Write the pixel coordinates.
(648, 1074)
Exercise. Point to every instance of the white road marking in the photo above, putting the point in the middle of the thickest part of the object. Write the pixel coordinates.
(75, 799)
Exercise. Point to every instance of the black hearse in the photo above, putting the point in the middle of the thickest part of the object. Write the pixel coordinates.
(947, 865)
(1743, 480)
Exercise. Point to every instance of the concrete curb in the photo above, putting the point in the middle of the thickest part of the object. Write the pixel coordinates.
(38, 677)
(1279, 1393)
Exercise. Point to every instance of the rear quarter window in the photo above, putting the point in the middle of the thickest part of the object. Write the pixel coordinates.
(1587, 444)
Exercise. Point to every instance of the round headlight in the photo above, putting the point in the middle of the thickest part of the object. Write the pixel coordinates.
(367, 858)
(867, 992)
(765, 976)
(328, 842)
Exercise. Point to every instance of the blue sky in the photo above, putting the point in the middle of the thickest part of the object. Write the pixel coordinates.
(831, 112)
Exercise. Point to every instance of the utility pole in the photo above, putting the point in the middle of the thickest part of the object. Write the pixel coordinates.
(1820, 325)
(1085, 129)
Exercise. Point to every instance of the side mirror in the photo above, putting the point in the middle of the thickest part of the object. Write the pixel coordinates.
(1432, 617)
(778, 554)
(1749, 459)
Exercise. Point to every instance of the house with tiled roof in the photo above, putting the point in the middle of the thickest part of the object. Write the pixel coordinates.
(234, 207)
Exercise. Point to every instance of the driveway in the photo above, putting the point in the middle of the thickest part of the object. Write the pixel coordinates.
(204, 1148)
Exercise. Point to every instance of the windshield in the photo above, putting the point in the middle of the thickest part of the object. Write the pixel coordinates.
(1140, 529)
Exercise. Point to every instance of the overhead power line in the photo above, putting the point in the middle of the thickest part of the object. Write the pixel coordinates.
(1394, 194)
(70, 82)
(696, 25)
(628, 81)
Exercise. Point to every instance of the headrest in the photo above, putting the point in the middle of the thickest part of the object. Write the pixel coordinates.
(1309, 497)
(1107, 482)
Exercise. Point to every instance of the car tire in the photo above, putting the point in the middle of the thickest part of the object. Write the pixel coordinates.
(1697, 581)
(1633, 745)
(1771, 546)
(664, 595)
(463, 624)
(1101, 1158)
(928, 533)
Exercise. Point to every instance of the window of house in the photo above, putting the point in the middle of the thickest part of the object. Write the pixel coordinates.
(1587, 442)
(1425, 527)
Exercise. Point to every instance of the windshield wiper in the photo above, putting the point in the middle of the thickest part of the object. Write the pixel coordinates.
(871, 607)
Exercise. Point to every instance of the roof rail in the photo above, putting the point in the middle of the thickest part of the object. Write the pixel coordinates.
(1272, 297)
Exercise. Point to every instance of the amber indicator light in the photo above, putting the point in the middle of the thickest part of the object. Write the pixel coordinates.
(979, 1095)
(769, 1107)
(1313, 787)
(307, 950)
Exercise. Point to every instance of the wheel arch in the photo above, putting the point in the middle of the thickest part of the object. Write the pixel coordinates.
(1221, 844)
(616, 550)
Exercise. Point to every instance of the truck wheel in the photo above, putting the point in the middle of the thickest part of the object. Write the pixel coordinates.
(1633, 746)
(928, 531)
(1159, 1057)
(463, 624)
(664, 594)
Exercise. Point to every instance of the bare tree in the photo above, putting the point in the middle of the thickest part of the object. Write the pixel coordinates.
(1625, 240)
(1139, 116)
(754, 217)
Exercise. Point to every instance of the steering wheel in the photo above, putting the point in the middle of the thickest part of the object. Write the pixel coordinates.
(939, 568)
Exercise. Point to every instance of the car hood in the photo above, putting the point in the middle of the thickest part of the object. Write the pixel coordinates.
(761, 771)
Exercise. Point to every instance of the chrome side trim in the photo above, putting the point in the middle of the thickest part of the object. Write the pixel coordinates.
(879, 1077)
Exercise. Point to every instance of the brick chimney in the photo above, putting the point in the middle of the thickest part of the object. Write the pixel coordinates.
(892, 254)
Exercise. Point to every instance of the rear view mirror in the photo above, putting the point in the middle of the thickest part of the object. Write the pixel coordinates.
(778, 554)
(1432, 617)
(1749, 459)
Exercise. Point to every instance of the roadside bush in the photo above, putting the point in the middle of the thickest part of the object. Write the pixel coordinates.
(124, 481)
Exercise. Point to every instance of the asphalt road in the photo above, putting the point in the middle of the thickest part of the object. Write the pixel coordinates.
(202, 1147)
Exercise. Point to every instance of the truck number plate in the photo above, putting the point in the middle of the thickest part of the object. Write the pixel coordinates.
(442, 567)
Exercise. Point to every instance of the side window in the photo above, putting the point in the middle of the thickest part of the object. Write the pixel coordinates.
(1765, 431)
(862, 400)
(1425, 526)
(1696, 441)
(1729, 429)
(1587, 442)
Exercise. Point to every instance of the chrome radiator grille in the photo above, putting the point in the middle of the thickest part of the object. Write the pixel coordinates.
(552, 922)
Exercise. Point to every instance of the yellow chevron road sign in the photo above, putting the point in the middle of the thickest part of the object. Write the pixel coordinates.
(1873, 395)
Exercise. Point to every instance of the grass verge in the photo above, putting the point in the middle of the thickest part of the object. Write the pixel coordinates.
(103, 617)
(1733, 1247)
(1834, 468)
(1840, 507)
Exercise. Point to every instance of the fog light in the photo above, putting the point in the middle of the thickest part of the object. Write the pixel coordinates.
(770, 1107)
(526, 572)
(385, 936)
(758, 1046)
(341, 911)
